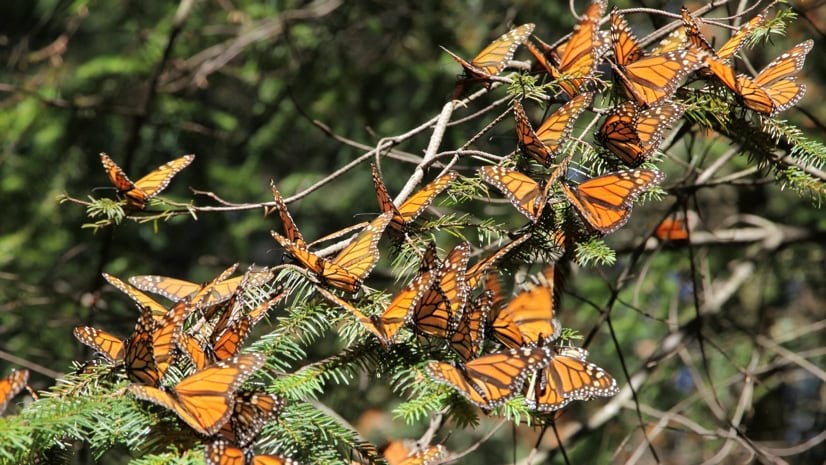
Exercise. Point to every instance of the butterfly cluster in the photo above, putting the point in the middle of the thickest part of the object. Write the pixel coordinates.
(201, 335)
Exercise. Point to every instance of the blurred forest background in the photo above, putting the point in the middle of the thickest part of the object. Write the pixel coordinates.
(239, 84)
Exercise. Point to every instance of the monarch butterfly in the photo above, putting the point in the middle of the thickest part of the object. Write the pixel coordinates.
(649, 79)
(412, 207)
(227, 335)
(691, 27)
(675, 227)
(143, 300)
(11, 385)
(223, 453)
(402, 453)
(251, 411)
(523, 192)
(544, 144)
(350, 266)
(493, 58)
(144, 189)
(478, 270)
(148, 353)
(674, 41)
(529, 318)
(775, 88)
(470, 334)
(386, 326)
(569, 377)
(633, 133)
(439, 310)
(605, 202)
(579, 57)
(204, 400)
(490, 380)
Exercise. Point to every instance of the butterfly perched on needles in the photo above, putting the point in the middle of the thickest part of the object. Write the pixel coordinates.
(411, 208)
(203, 295)
(347, 269)
(529, 317)
(691, 28)
(11, 385)
(605, 202)
(407, 453)
(634, 133)
(439, 310)
(490, 380)
(251, 411)
(140, 192)
(547, 141)
(144, 301)
(469, 335)
(205, 399)
(493, 58)
(528, 196)
(224, 453)
(568, 376)
(649, 79)
(775, 88)
(151, 349)
(578, 58)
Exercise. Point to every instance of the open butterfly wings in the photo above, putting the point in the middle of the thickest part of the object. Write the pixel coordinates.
(691, 26)
(205, 399)
(633, 134)
(545, 143)
(605, 202)
(649, 79)
(11, 385)
(413, 206)
(568, 376)
(490, 380)
(224, 453)
(493, 58)
(529, 318)
(144, 189)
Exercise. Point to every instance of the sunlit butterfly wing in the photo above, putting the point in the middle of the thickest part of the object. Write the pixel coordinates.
(490, 380)
(529, 318)
(413, 206)
(523, 192)
(440, 309)
(223, 453)
(650, 79)
(633, 134)
(605, 202)
(290, 227)
(568, 377)
(470, 334)
(691, 26)
(252, 410)
(138, 354)
(165, 336)
(362, 253)
(11, 385)
(478, 270)
(399, 453)
(139, 193)
(110, 347)
(545, 143)
(493, 58)
(676, 40)
(205, 399)
(385, 327)
(626, 48)
(193, 349)
(143, 300)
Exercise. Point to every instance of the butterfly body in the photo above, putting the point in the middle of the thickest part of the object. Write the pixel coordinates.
(567, 377)
(408, 211)
(633, 133)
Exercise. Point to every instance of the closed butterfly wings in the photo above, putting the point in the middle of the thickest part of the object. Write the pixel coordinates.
(605, 202)
(439, 310)
(523, 192)
(490, 380)
(546, 142)
(470, 333)
(405, 214)
(138, 193)
(633, 133)
(493, 58)
(205, 399)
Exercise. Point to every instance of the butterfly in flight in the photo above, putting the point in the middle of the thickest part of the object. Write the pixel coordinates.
(579, 56)
(140, 192)
(11, 385)
(568, 376)
(411, 208)
(492, 379)
(605, 202)
(347, 269)
(529, 318)
(547, 141)
(205, 399)
(649, 79)
(633, 133)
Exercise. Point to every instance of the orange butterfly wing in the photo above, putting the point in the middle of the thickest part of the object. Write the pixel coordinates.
(475, 272)
(138, 354)
(470, 334)
(362, 253)
(605, 202)
(251, 412)
(529, 318)
(105, 344)
(580, 55)
(633, 133)
(545, 143)
(490, 380)
(166, 335)
(440, 310)
(493, 58)
(143, 300)
(522, 191)
(413, 206)
(205, 399)
(11, 385)
(569, 377)
(140, 192)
